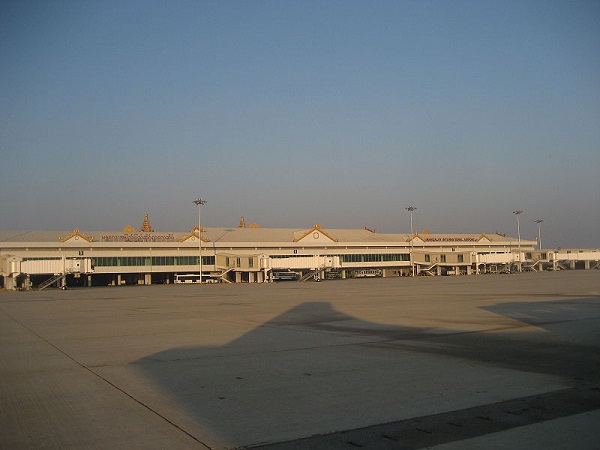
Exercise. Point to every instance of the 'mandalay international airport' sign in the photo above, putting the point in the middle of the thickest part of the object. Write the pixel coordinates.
(450, 239)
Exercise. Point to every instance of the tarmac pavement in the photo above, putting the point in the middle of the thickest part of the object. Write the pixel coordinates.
(488, 361)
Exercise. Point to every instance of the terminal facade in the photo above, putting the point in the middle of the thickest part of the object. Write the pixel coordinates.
(37, 259)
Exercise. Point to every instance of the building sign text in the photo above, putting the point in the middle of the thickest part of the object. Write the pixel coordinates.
(139, 237)
(450, 239)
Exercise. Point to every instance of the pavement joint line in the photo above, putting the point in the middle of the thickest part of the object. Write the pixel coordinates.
(451, 426)
(114, 386)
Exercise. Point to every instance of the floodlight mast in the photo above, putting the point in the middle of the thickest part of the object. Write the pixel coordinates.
(410, 209)
(200, 202)
(539, 223)
(518, 213)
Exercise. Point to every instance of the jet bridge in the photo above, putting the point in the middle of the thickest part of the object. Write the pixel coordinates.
(307, 265)
(56, 268)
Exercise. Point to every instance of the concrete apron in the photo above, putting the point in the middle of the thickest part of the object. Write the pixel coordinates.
(235, 366)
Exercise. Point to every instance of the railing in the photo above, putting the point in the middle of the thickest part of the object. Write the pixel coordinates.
(426, 270)
(312, 273)
(51, 281)
(222, 275)
(531, 265)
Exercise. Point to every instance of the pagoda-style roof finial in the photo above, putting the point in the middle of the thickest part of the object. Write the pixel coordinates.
(243, 222)
(146, 227)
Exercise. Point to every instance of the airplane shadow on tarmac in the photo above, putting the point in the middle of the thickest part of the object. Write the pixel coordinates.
(313, 370)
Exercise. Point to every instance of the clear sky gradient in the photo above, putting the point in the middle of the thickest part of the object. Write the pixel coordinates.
(293, 113)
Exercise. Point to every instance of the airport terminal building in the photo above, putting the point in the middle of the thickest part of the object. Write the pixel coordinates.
(37, 259)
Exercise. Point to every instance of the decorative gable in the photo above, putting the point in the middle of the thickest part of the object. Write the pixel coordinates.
(193, 236)
(75, 236)
(315, 235)
(415, 238)
(484, 238)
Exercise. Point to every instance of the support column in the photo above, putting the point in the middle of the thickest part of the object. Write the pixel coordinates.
(147, 278)
(119, 279)
(89, 281)
(238, 277)
(587, 265)
(9, 283)
(250, 277)
(572, 265)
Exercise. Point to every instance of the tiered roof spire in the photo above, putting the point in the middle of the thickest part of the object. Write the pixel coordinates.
(146, 227)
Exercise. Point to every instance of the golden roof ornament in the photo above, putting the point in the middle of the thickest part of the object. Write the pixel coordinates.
(195, 233)
(76, 235)
(317, 230)
(243, 222)
(146, 227)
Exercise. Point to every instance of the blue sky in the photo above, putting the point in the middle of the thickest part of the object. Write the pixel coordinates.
(294, 113)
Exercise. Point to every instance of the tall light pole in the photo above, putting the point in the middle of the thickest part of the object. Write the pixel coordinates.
(539, 222)
(518, 213)
(200, 202)
(410, 209)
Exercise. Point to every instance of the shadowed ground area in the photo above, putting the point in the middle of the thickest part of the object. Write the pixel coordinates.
(387, 363)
